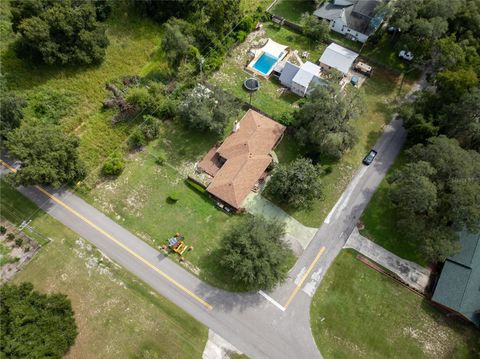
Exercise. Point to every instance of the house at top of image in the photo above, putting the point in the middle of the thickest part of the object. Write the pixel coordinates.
(356, 19)
(458, 288)
(301, 79)
(239, 164)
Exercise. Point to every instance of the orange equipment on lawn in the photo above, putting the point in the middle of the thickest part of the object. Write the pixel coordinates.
(177, 244)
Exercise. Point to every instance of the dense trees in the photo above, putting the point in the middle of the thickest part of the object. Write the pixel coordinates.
(255, 254)
(296, 184)
(437, 194)
(322, 123)
(34, 325)
(60, 32)
(207, 110)
(48, 155)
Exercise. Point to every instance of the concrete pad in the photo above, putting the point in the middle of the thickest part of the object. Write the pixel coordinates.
(409, 272)
(296, 233)
(218, 348)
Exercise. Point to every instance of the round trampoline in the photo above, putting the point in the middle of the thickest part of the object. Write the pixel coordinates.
(251, 84)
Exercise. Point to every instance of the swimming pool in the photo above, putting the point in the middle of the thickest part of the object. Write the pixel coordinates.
(265, 63)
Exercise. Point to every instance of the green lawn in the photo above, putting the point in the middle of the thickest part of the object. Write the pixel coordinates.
(292, 10)
(360, 313)
(116, 314)
(133, 40)
(379, 219)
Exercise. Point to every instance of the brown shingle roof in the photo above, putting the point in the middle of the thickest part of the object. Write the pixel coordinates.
(247, 157)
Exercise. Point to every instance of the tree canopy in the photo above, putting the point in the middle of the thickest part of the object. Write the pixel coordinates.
(11, 113)
(61, 33)
(437, 194)
(296, 184)
(314, 28)
(34, 325)
(255, 254)
(206, 110)
(323, 122)
(48, 155)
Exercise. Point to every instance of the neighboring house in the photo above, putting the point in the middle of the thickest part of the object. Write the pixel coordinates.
(300, 79)
(337, 57)
(458, 288)
(356, 19)
(241, 161)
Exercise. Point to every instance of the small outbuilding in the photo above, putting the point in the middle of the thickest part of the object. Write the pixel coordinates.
(300, 79)
(337, 57)
(458, 288)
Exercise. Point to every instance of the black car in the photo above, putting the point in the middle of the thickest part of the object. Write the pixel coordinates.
(370, 157)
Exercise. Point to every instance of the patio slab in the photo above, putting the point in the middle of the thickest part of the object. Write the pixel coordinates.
(298, 235)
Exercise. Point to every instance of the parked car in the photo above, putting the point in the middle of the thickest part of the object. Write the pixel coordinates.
(405, 55)
(370, 157)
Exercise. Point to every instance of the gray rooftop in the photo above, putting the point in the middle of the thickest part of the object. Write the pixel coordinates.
(288, 73)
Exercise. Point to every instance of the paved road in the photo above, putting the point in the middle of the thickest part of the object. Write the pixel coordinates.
(275, 328)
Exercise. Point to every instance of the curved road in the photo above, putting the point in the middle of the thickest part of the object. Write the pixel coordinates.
(263, 325)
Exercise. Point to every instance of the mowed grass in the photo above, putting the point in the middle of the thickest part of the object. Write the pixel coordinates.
(360, 313)
(117, 315)
(268, 98)
(293, 10)
(133, 40)
(138, 200)
(380, 92)
(380, 221)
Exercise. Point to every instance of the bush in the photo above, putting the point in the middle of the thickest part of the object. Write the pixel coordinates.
(174, 196)
(3, 230)
(160, 159)
(113, 166)
(240, 36)
(196, 186)
(150, 127)
(10, 237)
(18, 242)
(137, 139)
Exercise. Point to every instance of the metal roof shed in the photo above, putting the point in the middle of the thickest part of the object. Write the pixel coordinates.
(338, 57)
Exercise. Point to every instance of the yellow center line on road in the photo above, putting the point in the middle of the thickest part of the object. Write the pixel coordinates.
(299, 285)
(109, 236)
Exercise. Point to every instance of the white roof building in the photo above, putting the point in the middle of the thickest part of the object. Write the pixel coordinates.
(338, 57)
(299, 79)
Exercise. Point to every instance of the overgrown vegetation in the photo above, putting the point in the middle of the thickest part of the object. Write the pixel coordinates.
(34, 324)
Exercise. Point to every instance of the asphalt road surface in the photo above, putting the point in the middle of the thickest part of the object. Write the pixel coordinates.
(262, 325)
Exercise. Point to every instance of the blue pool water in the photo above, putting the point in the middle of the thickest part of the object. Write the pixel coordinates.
(265, 63)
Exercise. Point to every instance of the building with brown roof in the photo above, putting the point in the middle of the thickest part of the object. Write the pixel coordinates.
(242, 159)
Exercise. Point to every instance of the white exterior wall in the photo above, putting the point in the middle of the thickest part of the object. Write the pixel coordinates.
(298, 89)
(339, 26)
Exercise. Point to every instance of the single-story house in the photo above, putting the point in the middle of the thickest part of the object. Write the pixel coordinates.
(300, 79)
(356, 19)
(458, 288)
(242, 159)
(337, 57)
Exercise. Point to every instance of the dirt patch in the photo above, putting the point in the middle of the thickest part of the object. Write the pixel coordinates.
(17, 249)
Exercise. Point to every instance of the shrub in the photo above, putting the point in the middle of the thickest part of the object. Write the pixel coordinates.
(137, 139)
(160, 159)
(113, 166)
(196, 186)
(174, 196)
(3, 230)
(18, 242)
(10, 237)
(150, 127)
(50, 105)
(240, 36)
